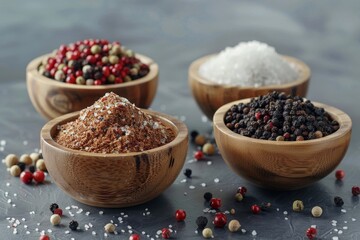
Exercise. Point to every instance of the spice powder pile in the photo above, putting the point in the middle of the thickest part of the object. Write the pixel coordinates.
(113, 125)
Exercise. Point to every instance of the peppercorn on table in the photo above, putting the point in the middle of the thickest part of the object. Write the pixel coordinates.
(324, 36)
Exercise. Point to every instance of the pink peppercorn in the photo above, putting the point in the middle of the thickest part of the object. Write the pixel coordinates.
(355, 190)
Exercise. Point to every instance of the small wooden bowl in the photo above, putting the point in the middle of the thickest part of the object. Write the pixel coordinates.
(52, 98)
(282, 165)
(211, 96)
(114, 180)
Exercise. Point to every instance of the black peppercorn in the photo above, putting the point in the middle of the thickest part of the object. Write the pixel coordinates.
(201, 222)
(32, 168)
(208, 196)
(339, 202)
(194, 134)
(21, 166)
(265, 206)
(73, 225)
(187, 172)
(53, 206)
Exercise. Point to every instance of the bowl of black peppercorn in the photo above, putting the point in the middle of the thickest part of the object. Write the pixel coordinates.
(281, 142)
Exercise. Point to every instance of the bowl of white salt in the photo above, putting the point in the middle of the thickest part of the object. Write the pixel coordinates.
(249, 69)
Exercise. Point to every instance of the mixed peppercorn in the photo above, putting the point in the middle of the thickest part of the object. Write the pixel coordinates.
(280, 117)
(93, 62)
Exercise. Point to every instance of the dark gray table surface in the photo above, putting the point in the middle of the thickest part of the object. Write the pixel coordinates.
(324, 34)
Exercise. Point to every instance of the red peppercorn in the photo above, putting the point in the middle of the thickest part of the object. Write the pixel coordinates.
(58, 211)
(44, 237)
(180, 215)
(199, 155)
(255, 209)
(220, 220)
(106, 71)
(165, 233)
(78, 73)
(62, 49)
(39, 176)
(311, 232)
(339, 174)
(26, 177)
(242, 190)
(70, 79)
(215, 203)
(97, 82)
(134, 237)
(87, 51)
(52, 72)
(257, 115)
(286, 135)
(91, 59)
(118, 80)
(266, 118)
(355, 190)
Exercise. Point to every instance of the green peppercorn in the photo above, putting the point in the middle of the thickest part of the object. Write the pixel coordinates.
(130, 53)
(111, 78)
(41, 69)
(127, 79)
(298, 206)
(86, 68)
(59, 75)
(113, 59)
(70, 63)
(105, 59)
(80, 80)
(95, 49)
(61, 66)
(134, 71)
(239, 197)
(115, 50)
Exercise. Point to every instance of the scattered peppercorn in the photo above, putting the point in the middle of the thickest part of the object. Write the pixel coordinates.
(355, 190)
(264, 206)
(239, 197)
(180, 215)
(58, 211)
(25, 158)
(198, 155)
(26, 177)
(40, 165)
(234, 225)
(21, 165)
(201, 222)
(194, 134)
(255, 209)
(242, 190)
(316, 211)
(215, 203)
(208, 149)
(11, 160)
(220, 220)
(339, 202)
(32, 168)
(134, 237)
(44, 237)
(208, 196)
(339, 174)
(97, 60)
(109, 228)
(187, 172)
(53, 206)
(55, 219)
(207, 233)
(73, 225)
(298, 206)
(39, 176)
(34, 157)
(200, 140)
(311, 233)
(276, 114)
(165, 233)
(15, 170)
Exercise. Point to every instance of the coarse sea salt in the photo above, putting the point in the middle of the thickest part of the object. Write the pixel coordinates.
(252, 64)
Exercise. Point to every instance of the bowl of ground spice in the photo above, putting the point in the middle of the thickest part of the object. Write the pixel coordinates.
(281, 142)
(113, 154)
(74, 76)
(247, 70)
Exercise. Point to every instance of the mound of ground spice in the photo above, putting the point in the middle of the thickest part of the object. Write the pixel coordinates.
(113, 125)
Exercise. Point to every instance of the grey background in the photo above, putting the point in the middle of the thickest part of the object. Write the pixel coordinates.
(324, 34)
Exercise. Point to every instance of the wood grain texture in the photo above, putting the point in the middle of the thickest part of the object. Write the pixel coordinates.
(282, 165)
(52, 98)
(211, 96)
(114, 180)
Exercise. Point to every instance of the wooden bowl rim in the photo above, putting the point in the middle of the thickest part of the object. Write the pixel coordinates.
(340, 116)
(32, 68)
(179, 126)
(304, 75)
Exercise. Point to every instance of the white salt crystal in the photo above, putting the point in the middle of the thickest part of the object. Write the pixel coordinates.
(253, 64)
(203, 184)
(192, 187)
(340, 232)
(335, 238)
(216, 180)
(285, 212)
(353, 219)
(254, 233)
(343, 210)
(101, 212)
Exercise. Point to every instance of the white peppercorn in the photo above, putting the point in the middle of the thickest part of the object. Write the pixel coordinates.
(113, 59)
(109, 228)
(80, 80)
(95, 49)
(55, 219)
(207, 233)
(89, 81)
(11, 160)
(25, 158)
(234, 225)
(59, 75)
(15, 170)
(40, 165)
(298, 206)
(34, 156)
(208, 149)
(316, 211)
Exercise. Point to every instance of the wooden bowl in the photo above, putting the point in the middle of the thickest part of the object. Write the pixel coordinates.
(114, 180)
(52, 98)
(211, 96)
(282, 165)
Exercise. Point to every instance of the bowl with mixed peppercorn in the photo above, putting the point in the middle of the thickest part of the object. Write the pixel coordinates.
(281, 142)
(74, 76)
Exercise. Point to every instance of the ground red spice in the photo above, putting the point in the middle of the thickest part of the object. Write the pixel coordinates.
(113, 125)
